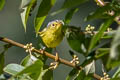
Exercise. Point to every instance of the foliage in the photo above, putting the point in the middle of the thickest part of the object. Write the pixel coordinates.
(93, 45)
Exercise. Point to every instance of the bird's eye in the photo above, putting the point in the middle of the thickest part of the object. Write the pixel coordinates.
(53, 25)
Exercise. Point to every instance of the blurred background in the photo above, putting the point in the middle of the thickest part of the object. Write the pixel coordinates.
(11, 27)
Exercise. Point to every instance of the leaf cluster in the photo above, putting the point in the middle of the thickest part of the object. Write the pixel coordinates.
(102, 44)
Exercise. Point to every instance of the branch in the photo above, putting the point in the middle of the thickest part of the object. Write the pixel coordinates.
(63, 61)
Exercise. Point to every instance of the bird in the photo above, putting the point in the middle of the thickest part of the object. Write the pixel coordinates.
(52, 36)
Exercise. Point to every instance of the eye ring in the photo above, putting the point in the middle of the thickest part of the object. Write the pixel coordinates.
(53, 25)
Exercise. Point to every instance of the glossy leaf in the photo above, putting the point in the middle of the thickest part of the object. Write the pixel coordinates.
(42, 13)
(13, 69)
(69, 15)
(75, 38)
(73, 73)
(26, 10)
(2, 3)
(46, 74)
(100, 13)
(35, 67)
(98, 36)
(69, 4)
(1, 62)
(26, 61)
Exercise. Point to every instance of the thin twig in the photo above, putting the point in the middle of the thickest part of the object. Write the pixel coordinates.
(63, 61)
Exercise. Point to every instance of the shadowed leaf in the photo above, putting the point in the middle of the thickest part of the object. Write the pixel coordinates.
(98, 36)
(13, 69)
(75, 38)
(73, 73)
(83, 76)
(100, 13)
(69, 15)
(69, 4)
(26, 61)
(37, 65)
(26, 10)
(42, 13)
(1, 62)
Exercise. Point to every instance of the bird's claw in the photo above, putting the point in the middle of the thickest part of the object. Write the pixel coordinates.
(55, 64)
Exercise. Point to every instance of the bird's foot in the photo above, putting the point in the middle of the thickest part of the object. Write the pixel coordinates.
(55, 64)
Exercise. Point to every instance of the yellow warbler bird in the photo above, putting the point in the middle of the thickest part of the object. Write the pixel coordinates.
(52, 35)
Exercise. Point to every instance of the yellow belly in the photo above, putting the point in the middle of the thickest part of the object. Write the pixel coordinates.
(51, 40)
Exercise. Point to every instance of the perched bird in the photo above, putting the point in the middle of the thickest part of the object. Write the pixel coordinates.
(52, 35)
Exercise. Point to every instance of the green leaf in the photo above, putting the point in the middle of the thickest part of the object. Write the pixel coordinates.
(109, 34)
(115, 79)
(75, 38)
(73, 3)
(42, 13)
(117, 73)
(46, 74)
(27, 11)
(101, 30)
(70, 4)
(87, 42)
(110, 63)
(2, 59)
(7, 46)
(69, 15)
(100, 13)
(2, 3)
(101, 52)
(35, 67)
(73, 73)
(90, 58)
(13, 69)
(1, 62)
(26, 61)
(83, 76)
